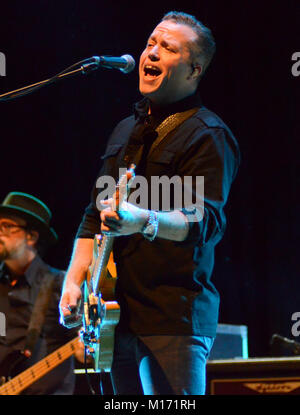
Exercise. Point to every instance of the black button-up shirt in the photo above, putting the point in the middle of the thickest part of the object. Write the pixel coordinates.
(165, 287)
(16, 303)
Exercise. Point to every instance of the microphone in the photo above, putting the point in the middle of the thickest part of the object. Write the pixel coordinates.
(125, 63)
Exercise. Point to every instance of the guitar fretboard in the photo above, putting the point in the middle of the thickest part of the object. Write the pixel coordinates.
(106, 243)
(102, 261)
(32, 374)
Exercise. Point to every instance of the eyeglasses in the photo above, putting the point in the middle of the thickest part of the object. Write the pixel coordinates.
(6, 228)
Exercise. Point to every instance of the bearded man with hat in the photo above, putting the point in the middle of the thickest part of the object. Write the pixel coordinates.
(29, 295)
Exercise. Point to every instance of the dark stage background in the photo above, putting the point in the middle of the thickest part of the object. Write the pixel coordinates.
(52, 140)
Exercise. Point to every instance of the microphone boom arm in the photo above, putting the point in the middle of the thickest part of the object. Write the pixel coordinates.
(86, 67)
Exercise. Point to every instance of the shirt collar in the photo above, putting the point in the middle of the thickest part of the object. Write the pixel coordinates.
(141, 108)
(3, 272)
(29, 274)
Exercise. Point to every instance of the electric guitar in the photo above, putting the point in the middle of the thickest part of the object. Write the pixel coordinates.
(39, 369)
(101, 311)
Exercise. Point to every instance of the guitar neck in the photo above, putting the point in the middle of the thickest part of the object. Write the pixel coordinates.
(101, 262)
(99, 272)
(32, 374)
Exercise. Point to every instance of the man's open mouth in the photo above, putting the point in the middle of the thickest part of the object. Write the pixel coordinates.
(151, 71)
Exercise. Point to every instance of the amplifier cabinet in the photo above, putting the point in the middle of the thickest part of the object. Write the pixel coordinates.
(254, 376)
(231, 342)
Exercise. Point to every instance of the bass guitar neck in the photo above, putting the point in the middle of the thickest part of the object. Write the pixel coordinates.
(22, 381)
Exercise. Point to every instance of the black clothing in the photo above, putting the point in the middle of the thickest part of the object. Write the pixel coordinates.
(16, 302)
(164, 287)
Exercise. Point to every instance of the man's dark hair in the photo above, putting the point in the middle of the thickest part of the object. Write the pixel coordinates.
(205, 46)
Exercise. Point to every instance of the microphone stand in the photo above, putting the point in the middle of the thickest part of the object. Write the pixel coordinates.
(86, 66)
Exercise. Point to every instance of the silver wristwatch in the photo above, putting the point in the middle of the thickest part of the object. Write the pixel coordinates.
(150, 228)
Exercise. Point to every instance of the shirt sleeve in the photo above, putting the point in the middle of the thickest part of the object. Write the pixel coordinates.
(213, 155)
(90, 223)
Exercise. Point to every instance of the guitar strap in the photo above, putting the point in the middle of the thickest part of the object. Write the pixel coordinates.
(38, 313)
(164, 128)
(169, 124)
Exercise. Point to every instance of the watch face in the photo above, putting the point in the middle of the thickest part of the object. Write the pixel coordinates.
(149, 230)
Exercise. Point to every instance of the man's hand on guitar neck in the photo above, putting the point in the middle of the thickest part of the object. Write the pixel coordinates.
(128, 220)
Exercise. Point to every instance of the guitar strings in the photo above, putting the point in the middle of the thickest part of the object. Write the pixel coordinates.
(30, 375)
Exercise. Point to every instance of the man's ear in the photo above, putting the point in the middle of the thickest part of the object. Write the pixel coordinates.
(32, 237)
(197, 70)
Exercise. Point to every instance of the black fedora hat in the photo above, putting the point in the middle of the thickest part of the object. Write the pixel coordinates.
(36, 214)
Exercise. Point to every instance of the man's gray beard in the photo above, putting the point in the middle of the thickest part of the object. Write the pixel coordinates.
(3, 253)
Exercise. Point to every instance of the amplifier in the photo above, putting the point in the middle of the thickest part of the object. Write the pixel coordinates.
(254, 376)
(231, 342)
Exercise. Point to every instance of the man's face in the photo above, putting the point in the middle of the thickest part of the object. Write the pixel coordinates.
(165, 65)
(13, 238)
